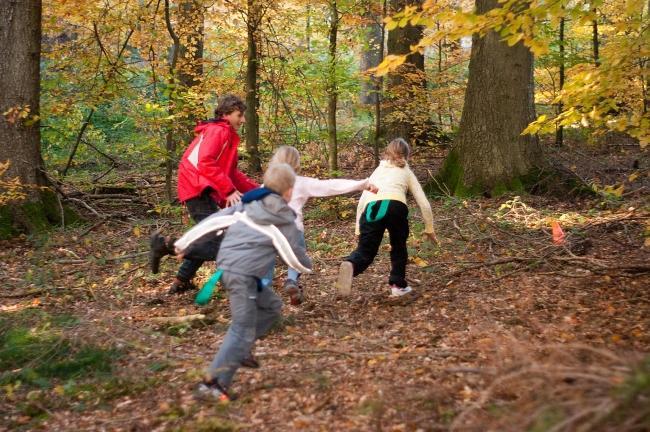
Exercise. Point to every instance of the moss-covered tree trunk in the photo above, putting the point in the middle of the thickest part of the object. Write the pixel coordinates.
(20, 50)
(490, 154)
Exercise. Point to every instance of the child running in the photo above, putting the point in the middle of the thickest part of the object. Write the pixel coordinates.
(303, 189)
(245, 255)
(386, 210)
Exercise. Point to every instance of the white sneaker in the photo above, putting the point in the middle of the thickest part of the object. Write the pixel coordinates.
(344, 281)
(398, 292)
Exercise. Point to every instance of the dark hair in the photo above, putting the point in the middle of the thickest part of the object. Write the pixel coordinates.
(229, 104)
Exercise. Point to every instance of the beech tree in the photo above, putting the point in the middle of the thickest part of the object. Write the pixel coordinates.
(33, 204)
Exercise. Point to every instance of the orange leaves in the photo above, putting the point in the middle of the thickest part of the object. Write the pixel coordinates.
(389, 64)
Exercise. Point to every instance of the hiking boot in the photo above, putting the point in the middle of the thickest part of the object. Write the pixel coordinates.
(344, 281)
(157, 249)
(296, 295)
(180, 286)
(212, 391)
(396, 291)
(250, 362)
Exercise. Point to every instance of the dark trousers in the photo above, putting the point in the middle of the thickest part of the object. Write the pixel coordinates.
(371, 235)
(206, 248)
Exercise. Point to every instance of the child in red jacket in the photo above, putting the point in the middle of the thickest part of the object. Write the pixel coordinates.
(208, 179)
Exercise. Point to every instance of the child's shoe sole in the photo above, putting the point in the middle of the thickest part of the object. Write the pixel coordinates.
(399, 292)
(344, 281)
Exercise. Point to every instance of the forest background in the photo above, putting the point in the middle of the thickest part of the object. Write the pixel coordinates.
(116, 88)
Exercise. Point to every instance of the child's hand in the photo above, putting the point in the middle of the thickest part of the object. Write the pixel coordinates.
(432, 238)
(372, 188)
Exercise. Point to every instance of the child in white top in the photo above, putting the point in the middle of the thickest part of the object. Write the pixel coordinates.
(387, 210)
(303, 189)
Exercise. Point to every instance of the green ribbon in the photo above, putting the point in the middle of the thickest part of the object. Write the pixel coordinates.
(203, 296)
(383, 207)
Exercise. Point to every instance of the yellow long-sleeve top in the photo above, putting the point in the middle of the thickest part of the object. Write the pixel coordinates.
(393, 182)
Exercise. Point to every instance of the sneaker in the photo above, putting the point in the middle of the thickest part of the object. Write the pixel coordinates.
(296, 295)
(396, 291)
(344, 281)
(250, 362)
(157, 250)
(180, 286)
(212, 391)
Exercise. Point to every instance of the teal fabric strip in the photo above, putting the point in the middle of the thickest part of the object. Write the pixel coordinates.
(383, 207)
(203, 296)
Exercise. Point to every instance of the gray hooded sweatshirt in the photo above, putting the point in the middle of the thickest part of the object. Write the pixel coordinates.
(248, 252)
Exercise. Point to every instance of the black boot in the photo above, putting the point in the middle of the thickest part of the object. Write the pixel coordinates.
(158, 248)
(180, 286)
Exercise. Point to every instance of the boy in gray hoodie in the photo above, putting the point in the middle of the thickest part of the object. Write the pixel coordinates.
(245, 257)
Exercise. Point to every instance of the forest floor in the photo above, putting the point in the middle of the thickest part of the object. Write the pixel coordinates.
(507, 330)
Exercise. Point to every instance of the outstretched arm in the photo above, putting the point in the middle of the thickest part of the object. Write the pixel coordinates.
(331, 187)
(423, 203)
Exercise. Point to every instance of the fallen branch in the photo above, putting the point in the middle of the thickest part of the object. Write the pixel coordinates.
(121, 257)
(83, 203)
(29, 293)
(174, 320)
(491, 263)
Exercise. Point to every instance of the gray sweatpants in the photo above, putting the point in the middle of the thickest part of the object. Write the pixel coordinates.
(253, 314)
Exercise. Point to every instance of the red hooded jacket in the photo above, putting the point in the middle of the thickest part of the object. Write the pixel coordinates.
(211, 161)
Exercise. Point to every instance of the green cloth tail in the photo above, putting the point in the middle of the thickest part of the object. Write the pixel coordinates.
(383, 207)
(203, 296)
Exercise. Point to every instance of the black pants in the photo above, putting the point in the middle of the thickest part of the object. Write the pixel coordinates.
(371, 235)
(207, 247)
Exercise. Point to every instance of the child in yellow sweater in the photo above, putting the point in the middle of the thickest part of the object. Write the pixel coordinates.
(387, 210)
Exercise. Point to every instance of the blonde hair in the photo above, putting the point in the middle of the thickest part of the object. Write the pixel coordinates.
(288, 155)
(397, 152)
(279, 177)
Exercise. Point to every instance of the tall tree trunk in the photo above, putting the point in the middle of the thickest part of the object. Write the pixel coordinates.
(252, 96)
(332, 86)
(191, 34)
(185, 75)
(490, 154)
(308, 28)
(370, 55)
(380, 87)
(170, 143)
(594, 39)
(559, 134)
(20, 49)
(645, 76)
(403, 85)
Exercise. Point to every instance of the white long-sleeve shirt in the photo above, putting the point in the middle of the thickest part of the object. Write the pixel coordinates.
(308, 187)
(393, 182)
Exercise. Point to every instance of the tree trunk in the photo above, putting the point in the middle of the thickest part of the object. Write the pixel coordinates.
(403, 85)
(559, 134)
(170, 143)
(308, 28)
(370, 55)
(380, 88)
(20, 49)
(332, 87)
(190, 51)
(594, 39)
(490, 155)
(252, 96)
(645, 77)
